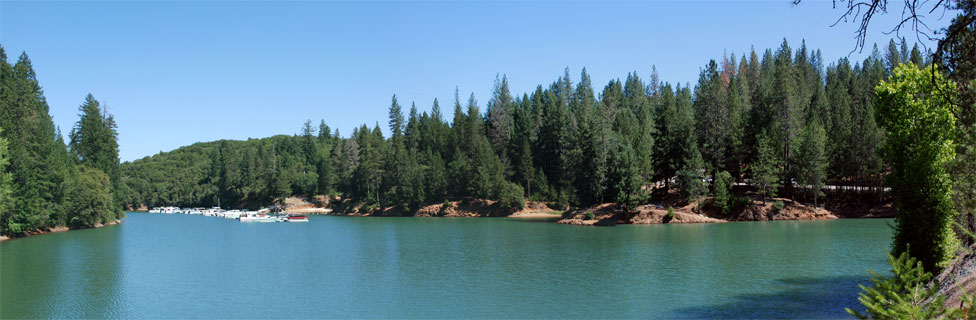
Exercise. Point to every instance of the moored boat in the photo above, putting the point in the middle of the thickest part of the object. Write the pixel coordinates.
(297, 218)
(257, 217)
(231, 214)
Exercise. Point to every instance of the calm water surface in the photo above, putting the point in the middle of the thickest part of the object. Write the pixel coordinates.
(178, 266)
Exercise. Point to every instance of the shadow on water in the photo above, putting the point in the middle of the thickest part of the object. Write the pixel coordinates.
(552, 219)
(800, 298)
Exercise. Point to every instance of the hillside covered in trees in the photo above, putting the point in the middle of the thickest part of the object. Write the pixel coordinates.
(45, 182)
(767, 118)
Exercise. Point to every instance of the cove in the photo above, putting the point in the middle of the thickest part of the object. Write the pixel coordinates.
(182, 266)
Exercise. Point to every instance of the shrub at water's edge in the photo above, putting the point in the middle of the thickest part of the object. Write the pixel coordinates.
(908, 294)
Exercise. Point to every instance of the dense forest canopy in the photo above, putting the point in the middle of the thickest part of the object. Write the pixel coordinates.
(45, 182)
(777, 119)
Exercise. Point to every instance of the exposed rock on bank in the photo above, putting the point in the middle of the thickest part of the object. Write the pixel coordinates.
(608, 214)
(755, 210)
(315, 205)
(958, 278)
(464, 208)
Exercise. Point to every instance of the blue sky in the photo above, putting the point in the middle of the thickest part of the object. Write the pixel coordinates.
(175, 72)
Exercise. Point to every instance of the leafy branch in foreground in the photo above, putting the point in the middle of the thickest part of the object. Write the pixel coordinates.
(902, 296)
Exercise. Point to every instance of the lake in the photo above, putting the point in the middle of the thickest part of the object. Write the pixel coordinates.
(181, 266)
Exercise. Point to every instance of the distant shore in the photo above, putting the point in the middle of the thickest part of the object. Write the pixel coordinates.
(755, 210)
(60, 229)
(609, 214)
(747, 207)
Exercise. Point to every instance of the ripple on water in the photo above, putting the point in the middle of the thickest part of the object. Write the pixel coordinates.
(177, 266)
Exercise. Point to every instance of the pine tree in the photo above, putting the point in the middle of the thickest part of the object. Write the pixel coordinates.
(788, 121)
(677, 131)
(94, 143)
(767, 167)
(624, 177)
(37, 156)
(712, 115)
(593, 160)
(691, 178)
(6, 186)
(395, 161)
(396, 119)
(892, 56)
(722, 190)
(522, 156)
(499, 118)
(813, 159)
(839, 124)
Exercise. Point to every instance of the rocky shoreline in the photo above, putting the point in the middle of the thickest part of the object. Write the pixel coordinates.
(60, 229)
(609, 214)
(463, 208)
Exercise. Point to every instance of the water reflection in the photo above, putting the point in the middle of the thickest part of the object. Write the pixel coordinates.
(797, 298)
(176, 266)
(63, 275)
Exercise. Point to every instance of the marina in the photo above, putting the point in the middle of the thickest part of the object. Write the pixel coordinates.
(261, 216)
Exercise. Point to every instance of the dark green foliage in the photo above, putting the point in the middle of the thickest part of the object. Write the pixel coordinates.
(89, 198)
(691, 178)
(676, 129)
(740, 202)
(957, 59)
(511, 198)
(5, 184)
(777, 206)
(766, 168)
(564, 143)
(39, 166)
(722, 190)
(94, 143)
(919, 129)
(905, 295)
(670, 215)
(713, 115)
(624, 177)
(499, 118)
(812, 160)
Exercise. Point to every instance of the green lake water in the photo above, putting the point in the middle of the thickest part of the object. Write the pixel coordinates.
(178, 266)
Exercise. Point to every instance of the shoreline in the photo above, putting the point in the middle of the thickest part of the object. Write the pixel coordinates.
(609, 214)
(60, 229)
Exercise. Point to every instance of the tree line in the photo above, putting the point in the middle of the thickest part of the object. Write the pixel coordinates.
(776, 119)
(46, 182)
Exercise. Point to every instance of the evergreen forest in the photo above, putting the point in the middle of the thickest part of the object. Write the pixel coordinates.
(782, 120)
(46, 182)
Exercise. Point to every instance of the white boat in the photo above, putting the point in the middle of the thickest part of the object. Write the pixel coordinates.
(193, 211)
(171, 210)
(231, 214)
(296, 217)
(156, 210)
(253, 216)
(213, 212)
